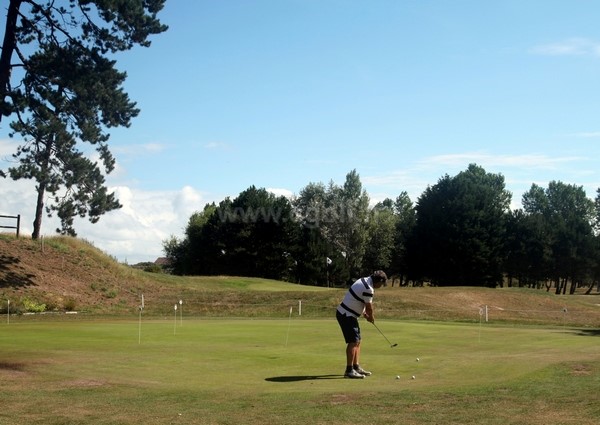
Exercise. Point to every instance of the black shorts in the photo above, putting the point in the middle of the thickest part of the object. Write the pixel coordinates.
(349, 326)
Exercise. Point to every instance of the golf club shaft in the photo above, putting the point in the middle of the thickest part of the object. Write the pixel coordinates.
(386, 338)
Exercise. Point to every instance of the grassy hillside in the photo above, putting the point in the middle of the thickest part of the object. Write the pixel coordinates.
(62, 273)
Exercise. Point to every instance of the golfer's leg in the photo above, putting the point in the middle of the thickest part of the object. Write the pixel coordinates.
(352, 351)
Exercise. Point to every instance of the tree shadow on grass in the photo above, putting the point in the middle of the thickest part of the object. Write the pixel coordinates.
(11, 275)
(302, 378)
(581, 331)
(587, 332)
(10, 366)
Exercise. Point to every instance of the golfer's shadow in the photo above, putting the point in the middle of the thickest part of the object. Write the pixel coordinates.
(302, 378)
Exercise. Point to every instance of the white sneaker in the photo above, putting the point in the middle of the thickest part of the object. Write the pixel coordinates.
(363, 372)
(353, 375)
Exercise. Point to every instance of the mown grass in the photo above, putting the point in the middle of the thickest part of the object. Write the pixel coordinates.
(236, 356)
(244, 371)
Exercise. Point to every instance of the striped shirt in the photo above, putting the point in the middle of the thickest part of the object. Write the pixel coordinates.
(360, 293)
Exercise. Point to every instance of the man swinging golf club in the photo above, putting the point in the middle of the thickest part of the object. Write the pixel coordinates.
(358, 301)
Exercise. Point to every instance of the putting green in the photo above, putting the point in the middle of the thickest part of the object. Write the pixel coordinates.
(262, 371)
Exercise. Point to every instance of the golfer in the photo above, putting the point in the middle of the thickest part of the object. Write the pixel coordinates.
(358, 301)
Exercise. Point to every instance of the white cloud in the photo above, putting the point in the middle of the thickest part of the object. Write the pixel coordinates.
(405, 177)
(216, 145)
(410, 180)
(520, 171)
(414, 179)
(7, 148)
(18, 198)
(139, 149)
(280, 192)
(485, 159)
(575, 46)
(587, 135)
(154, 147)
(187, 201)
(133, 233)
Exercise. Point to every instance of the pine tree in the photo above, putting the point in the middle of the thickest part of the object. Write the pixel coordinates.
(64, 92)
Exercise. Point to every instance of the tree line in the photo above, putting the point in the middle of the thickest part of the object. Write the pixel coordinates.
(460, 231)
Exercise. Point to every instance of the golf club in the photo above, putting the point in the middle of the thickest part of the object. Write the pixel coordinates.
(377, 327)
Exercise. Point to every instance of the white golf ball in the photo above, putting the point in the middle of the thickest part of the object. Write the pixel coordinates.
(398, 377)
(413, 377)
(417, 359)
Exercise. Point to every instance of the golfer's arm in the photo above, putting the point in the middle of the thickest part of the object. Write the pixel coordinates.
(369, 312)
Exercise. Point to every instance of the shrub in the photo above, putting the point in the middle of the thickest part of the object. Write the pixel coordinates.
(112, 293)
(153, 268)
(70, 304)
(32, 306)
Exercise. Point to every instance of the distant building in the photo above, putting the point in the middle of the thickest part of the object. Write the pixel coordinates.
(162, 261)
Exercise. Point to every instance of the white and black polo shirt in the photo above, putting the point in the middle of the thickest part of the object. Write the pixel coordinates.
(360, 293)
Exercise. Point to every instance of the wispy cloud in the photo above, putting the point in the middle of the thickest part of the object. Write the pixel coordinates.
(521, 169)
(7, 147)
(587, 135)
(391, 178)
(575, 46)
(280, 192)
(411, 180)
(216, 146)
(485, 159)
(146, 148)
(154, 147)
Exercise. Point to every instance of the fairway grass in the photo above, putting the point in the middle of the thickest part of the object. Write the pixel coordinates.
(289, 370)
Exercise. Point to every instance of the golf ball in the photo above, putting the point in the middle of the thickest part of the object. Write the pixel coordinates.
(398, 377)
(413, 377)
(417, 359)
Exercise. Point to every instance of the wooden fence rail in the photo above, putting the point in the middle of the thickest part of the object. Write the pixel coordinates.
(14, 217)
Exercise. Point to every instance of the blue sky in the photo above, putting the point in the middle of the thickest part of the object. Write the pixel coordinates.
(281, 93)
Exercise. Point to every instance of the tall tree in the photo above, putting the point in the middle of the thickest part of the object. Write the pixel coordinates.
(341, 214)
(569, 217)
(311, 260)
(528, 252)
(405, 216)
(184, 255)
(320, 260)
(459, 235)
(252, 235)
(57, 80)
(351, 228)
(260, 234)
(381, 231)
(596, 220)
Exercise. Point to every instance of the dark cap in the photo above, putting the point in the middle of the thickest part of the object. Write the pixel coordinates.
(379, 276)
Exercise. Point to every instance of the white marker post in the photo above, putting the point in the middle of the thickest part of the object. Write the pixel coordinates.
(175, 326)
(181, 312)
(140, 326)
(287, 336)
(140, 308)
(480, 317)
